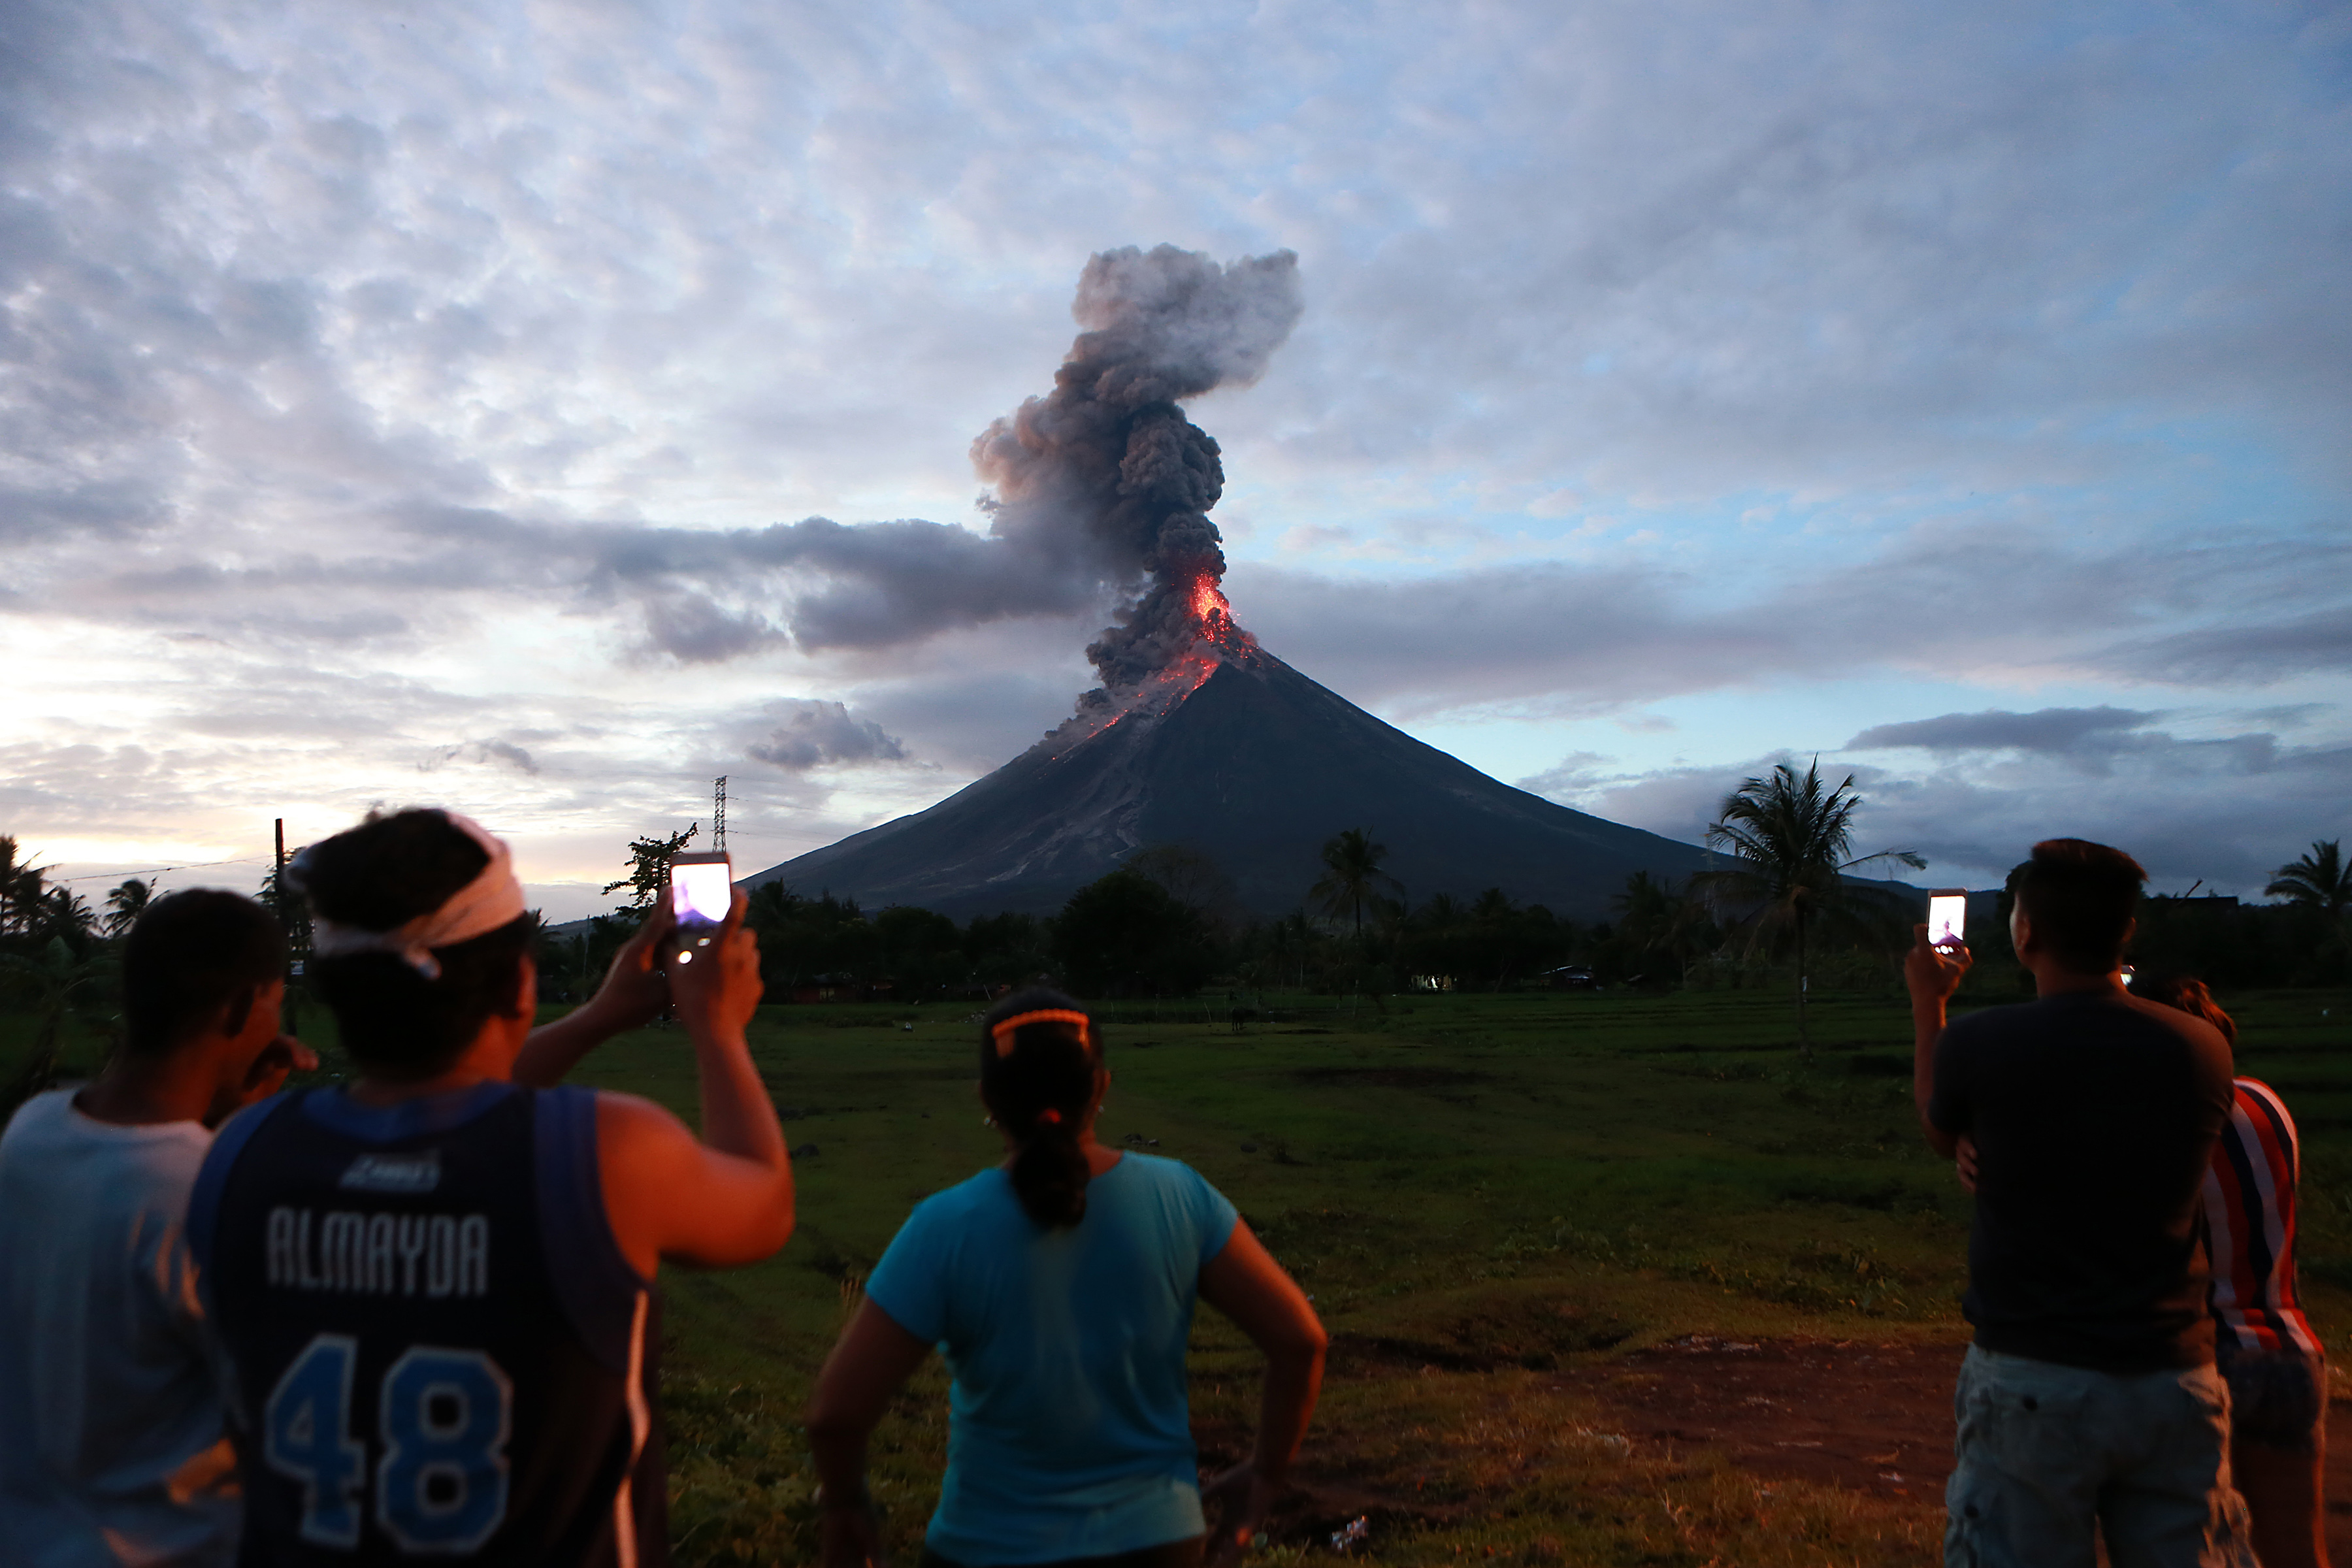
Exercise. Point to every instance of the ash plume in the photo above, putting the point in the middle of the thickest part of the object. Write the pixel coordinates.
(1105, 472)
(1101, 487)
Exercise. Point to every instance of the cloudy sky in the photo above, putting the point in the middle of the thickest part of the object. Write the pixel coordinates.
(495, 405)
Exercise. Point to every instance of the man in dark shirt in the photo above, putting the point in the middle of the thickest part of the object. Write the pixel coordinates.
(2089, 1402)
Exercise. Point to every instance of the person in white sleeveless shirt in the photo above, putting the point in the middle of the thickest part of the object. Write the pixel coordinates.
(111, 1449)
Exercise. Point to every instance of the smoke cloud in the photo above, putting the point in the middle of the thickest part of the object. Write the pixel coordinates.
(1100, 486)
(1106, 472)
(816, 732)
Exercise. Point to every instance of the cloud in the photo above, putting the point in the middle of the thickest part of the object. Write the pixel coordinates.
(815, 733)
(2046, 730)
(505, 751)
(2255, 654)
(1941, 602)
(1974, 815)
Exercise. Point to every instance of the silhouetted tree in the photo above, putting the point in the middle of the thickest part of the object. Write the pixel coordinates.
(55, 979)
(124, 903)
(20, 892)
(292, 910)
(1193, 879)
(648, 874)
(2320, 883)
(1655, 917)
(2318, 880)
(64, 915)
(1009, 949)
(1352, 879)
(1124, 934)
(1789, 839)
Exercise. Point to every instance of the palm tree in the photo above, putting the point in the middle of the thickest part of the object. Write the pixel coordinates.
(771, 906)
(1352, 878)
(2322, 883)
(1654, 916)
(125, 904)
(66, 913)
(20, 889)
(1789, 838)
(2318, 880)
(55, 979)
(1290, 940)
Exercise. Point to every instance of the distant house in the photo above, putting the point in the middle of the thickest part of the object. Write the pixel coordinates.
(1432, 982)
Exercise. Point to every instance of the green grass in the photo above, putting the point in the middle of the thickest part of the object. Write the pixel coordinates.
(1477, 1191)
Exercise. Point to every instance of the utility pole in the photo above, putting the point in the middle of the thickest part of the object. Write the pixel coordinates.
(719, 815)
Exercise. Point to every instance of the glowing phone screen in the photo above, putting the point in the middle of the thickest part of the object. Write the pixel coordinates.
(699, 894)
(1947, 917)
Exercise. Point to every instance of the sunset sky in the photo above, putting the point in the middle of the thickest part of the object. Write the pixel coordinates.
(392, 398)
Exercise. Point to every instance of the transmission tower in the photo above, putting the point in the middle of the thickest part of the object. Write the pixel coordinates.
(718, 814)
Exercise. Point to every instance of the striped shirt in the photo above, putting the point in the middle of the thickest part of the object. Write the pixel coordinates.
(2250, 1223)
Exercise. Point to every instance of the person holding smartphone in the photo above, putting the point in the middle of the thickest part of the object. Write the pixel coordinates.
(435, 1282)
(1061, 1285)
(2089, 1405)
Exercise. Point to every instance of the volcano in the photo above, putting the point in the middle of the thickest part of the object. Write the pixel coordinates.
(1197, 737)
(1256, 766)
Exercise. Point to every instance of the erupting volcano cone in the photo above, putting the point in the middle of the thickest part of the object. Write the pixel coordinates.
(1256, 766)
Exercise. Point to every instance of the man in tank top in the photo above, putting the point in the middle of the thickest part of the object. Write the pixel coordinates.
(435, 1285)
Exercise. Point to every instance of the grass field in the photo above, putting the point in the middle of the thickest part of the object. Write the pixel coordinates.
(1479, 1192)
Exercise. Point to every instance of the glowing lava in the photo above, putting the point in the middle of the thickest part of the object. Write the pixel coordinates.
(1212, 614)
(1216, 639)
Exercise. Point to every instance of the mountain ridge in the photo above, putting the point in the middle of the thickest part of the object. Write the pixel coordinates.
(1256, 766)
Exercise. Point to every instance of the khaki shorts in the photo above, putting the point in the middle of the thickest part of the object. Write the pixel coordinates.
(2047, 1457)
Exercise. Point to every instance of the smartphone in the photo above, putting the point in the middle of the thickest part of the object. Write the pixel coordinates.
(701, 890)
(1947, 917)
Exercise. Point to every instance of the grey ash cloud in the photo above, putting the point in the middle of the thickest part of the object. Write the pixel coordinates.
(1102, 486)
(813, 733)
(1105, 471)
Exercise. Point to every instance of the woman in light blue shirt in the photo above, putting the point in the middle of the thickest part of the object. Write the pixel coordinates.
(1060, 1286)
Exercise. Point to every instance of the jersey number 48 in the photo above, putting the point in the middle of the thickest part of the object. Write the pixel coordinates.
(443, 1417)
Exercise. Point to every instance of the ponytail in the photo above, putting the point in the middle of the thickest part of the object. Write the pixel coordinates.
(1050, 1174)
(1037, 1060)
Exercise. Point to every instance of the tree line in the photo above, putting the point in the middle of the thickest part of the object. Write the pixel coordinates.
(1786, 896)
(1788, 899)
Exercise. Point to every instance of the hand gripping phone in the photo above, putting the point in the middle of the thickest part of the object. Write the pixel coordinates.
(1947, 917)
(701, 890)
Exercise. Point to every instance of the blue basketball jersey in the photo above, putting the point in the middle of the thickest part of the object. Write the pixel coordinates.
(437, 1350)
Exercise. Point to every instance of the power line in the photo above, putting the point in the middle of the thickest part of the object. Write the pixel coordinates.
(153, 870)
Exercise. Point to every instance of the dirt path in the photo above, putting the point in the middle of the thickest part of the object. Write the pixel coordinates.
(1876, 1418)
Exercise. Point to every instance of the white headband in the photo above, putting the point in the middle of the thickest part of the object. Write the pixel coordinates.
(481, 907)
